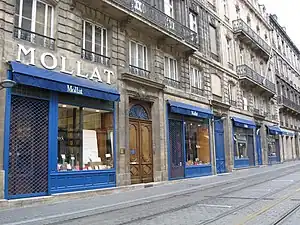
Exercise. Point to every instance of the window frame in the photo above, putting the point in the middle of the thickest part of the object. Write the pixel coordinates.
(33, 18)
(193, 21)
(94, 25)
(176, 77)
(144, 53)
(193, 78)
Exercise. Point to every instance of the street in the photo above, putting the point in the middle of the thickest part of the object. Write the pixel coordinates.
(266, 195)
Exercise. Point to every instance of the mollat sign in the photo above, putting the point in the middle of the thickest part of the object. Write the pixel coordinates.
(52, 64)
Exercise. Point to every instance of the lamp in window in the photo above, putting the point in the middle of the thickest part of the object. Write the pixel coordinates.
(7, 83)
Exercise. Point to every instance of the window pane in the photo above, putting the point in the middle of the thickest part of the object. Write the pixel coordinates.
(49, 21)
(133, 54)
(97, 139)
(69, 138)
(40, 18)
(140, 57)
(104, 42)
(213, 39)
(241, 150)
(167, 70)
(88, 36)
(27, 9)
(85, 144)
(145, 58)
(172, 74)
(197, 143)
(98, 39)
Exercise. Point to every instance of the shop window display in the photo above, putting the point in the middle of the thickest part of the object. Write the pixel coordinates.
(197, 143)
(85, 139)
(271, 147)
(241, 152)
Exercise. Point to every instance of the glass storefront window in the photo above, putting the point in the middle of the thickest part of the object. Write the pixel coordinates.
(197, 143)
(241, 152)
(85, 139)
(271, 147)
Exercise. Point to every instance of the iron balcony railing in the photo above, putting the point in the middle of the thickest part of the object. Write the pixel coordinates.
(288, 103)
(95, 57)
(159, 18)
(246, 71)
(172, 83)
(139, 71)
(34, 38)
(240, 26)
(197, 90)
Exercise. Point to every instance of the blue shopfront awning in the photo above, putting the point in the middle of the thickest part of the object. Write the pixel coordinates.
(243, 123)
(55, 81)
(274, 130)
(288, 133)
(190, 110)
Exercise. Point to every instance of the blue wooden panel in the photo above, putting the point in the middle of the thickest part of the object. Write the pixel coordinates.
(241, 163)
(198, 171)
(219, 144)
(258, 149)
(83, 180)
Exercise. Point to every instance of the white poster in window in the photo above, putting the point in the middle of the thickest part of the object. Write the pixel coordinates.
(90, 146)
(111, 136)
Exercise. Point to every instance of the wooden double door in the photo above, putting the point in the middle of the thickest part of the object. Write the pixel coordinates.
(141, 151)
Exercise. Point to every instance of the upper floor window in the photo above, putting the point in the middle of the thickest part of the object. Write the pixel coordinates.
(193, 22)
(225, 4)
(171, 71)
(169, 7)
(94, 44)
(229, 49)
(196, 78)
(34, 21)
(213, 39)
(216, 85)
(138, 55)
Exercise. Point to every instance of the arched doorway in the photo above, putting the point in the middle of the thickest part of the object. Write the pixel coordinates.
(140, 144)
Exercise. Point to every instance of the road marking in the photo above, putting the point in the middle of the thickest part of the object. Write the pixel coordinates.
(146, 199)
(258, 189)
(232, 186)
(217, 206)
(284, 180)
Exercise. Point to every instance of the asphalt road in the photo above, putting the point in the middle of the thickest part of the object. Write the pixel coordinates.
(264, 196)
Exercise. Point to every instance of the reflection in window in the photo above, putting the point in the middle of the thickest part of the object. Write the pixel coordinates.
(197, 143)
(85, 139)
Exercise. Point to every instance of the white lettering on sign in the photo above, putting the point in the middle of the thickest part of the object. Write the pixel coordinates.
(53, 58)
(95, 75)
(194, 113)
(74, 90)
(245, 125)
(23, 50)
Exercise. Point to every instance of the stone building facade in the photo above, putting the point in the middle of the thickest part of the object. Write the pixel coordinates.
(196, 81)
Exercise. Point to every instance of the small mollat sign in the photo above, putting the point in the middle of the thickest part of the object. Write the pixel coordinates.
(74, 90)
(50, 62)
(194, 113)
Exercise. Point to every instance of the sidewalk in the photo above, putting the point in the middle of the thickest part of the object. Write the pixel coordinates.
(155, 189)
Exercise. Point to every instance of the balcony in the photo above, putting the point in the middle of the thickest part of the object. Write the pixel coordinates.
(247, 35)
(259, 113)
(253, 80)
(289, 104)
(147, 18)
(34, 38)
